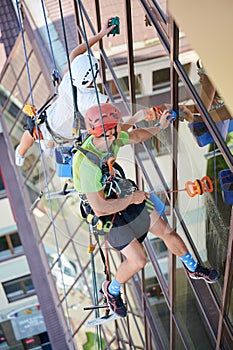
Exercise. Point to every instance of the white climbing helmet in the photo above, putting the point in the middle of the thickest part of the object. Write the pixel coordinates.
(82, 74)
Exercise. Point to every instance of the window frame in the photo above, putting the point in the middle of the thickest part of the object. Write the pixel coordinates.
(21, 281)
(14, 251)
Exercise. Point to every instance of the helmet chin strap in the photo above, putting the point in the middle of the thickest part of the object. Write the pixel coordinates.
(115, 132)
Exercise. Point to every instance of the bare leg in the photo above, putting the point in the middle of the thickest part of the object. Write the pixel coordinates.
(25, 143)
(135, 254)
(134, 262)
(162, 230)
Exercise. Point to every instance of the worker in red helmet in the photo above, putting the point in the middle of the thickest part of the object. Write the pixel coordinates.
(124, 214)
(108, 119)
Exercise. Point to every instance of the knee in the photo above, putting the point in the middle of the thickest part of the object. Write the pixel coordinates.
(141, 262)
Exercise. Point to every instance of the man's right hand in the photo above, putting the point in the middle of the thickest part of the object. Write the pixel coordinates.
(138, 197)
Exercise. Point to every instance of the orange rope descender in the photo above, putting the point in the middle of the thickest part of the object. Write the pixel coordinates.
(111, 161)
(199, 186)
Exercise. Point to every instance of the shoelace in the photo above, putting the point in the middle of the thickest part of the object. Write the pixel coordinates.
(117, 299)
(204, 271)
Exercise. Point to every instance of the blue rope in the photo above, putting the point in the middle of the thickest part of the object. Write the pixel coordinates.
(92, 72)
(77, 114)
(25, 51)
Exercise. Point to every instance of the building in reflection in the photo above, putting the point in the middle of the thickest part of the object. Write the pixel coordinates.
(42, 295)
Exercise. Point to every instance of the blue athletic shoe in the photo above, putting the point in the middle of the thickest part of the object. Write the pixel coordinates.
(209, 275)
(115, 302)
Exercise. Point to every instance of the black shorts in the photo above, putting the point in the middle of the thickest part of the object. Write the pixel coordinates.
(131, 223)
(140, 240)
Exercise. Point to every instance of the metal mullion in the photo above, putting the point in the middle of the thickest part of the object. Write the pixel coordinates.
(130, 55)
(158, 8)
(174, 47)
(144, 309)
(187, 235)
(226, 285)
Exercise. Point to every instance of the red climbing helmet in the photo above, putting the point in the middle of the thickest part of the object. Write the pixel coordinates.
(110, 114)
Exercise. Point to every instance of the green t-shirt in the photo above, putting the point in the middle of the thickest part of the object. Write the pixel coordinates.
(87, 176)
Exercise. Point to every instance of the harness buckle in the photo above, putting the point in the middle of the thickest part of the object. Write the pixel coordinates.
(95, 221)
(30, 110)
(107, 226)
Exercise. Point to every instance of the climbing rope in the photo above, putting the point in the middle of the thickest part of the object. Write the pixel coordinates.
(55, 76)
(92, 71)
(77, 114)
(106, 261)
(91, 249)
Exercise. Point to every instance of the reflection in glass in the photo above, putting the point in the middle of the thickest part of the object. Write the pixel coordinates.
(189, 315)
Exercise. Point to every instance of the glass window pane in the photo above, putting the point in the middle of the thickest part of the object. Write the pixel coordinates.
(28, 285)
(15, 240)
(161, 78)
(178, 342)
(10, 245)
(189, 315)
(162, 316)
(1, 184)
(4, 248)
(17, 288)
(3, 244)
(13, 290)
